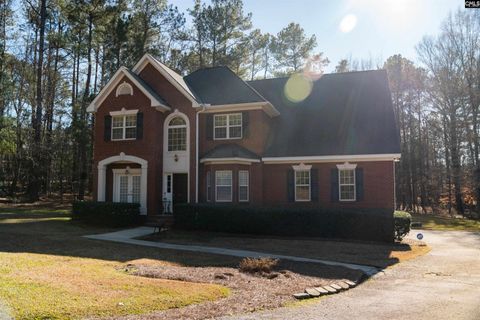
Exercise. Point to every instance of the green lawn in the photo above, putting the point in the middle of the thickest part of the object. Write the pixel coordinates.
(48, 271)
(431, 222)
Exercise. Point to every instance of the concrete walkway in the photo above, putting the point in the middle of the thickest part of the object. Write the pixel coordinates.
(442, 285)
(127, 236)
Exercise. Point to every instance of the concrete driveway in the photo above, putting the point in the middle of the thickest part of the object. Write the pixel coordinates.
(444, 284)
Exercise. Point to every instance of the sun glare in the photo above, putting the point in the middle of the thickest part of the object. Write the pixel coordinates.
(348, 23)
(298, 87)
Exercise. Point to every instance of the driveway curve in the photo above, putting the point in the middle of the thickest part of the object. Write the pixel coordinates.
(443, 284)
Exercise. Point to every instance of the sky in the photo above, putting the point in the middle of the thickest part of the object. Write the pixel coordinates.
(357, 29)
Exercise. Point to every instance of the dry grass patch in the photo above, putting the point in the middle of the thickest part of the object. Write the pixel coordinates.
(72, 288)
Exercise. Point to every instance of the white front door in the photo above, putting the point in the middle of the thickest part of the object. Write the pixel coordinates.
(126, 187)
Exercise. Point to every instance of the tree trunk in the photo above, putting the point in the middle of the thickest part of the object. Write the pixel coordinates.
(34, 186)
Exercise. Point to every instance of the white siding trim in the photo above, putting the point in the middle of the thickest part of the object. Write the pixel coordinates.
(334, 158)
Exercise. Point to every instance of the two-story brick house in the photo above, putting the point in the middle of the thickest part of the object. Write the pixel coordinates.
(211, 137)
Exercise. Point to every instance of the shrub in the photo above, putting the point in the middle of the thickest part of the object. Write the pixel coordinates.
(364, 224)
(258, 265)
(403, 221)
(107, 214)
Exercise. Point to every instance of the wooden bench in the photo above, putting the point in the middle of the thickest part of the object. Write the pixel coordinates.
(160, 223)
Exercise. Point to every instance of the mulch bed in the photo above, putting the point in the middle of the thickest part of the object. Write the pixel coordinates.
(249, 292)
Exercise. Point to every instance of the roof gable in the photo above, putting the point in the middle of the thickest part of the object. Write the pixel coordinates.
(174, 78)
(155, 100)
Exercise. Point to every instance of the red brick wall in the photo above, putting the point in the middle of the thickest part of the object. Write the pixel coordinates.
(377, 183)
(255, 140)
(255, 181)
(148, 148)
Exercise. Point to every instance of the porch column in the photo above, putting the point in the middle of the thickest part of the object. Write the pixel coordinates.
(101, 178)
(143, 188)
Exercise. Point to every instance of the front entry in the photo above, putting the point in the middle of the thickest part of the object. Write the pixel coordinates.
(175, 190)
(180, 188)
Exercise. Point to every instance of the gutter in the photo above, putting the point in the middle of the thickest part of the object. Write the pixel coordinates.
(203, 109)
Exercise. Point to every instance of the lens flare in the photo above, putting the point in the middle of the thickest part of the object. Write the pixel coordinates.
(348, 23)
(298, 87)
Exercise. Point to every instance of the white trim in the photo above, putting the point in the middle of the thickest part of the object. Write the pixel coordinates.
(120, 87)
(267, 107)
(227, 126)
(247, 185)
(112, 83)
(334, 158)
(165, 71)
(347, 167)
(122, 158)
(233, 160)
(303, 185)
(302, 167)
(123, 112)
(231, 186)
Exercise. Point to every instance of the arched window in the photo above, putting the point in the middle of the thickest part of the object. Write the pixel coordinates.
(177, 134)
(124, 89)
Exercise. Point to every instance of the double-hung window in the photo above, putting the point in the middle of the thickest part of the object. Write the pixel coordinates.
(124, 127)
(302, 185)
(223, 186)
(243, 185)
(227, 126)
(346, 184)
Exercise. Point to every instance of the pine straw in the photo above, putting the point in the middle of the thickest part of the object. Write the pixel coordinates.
(249, 292)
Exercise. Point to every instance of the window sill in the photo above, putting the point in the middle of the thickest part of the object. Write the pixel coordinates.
(220, 139)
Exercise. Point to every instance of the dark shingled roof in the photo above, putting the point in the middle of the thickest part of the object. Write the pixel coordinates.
(230, 151)
(346, 113)
(148, 88)
(219, 86)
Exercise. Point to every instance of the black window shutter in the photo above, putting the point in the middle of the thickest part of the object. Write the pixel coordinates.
(314, 185)
(359, 183)
(334, 184)
(209, 127)
(291, 185)
(245, 119)
(107, 133)
(140, 125)
(212, 186)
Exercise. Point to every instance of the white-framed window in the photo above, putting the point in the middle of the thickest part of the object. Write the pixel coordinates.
(346, 185)
(243, 182)
(227, 126)
(223, 186)
(177, 134)
(302, 185)
(124, 127)
(209, 186)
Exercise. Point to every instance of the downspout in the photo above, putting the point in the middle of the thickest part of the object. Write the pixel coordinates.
(203, 108)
